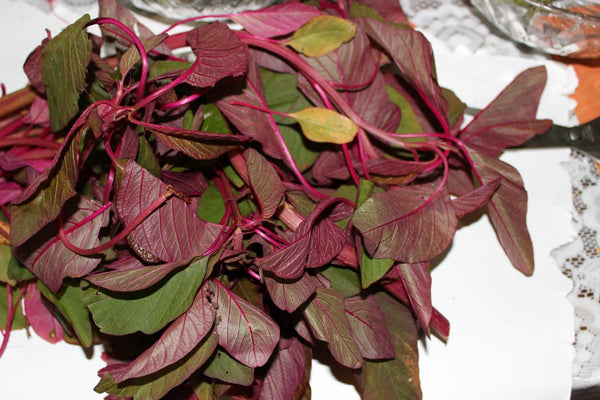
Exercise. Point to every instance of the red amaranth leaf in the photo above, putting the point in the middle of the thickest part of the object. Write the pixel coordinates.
(171, 233)
(265, 182)
(47, 257)
(219, 54)
(416, 280)
(474, 199)
(9, 191)
(277, 20)
(254, 123)
(508, 210)
(40, 318)
(405, 224)
(365, 85)
(196, 144)
(326, 317)
(288, 295)
(285, 374)
(368, 328)
(178, 340)
(131, 280)
(397, 378)
(412, 53)
(316, 242)
(247, 333)
(509, 120)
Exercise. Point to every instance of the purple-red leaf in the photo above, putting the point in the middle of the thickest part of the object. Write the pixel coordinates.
(196, 144)
(510, 120)
(316, 242)
(247, 333)
(173, 232)
(9, 191)
(39, 317)
(365, 86)
(179, 339)
(219, 54)
(276, 20)
(288, 295)
(412, 53)
(47, 257)
(406, 224)
(416, 280)
(249, 121)
(285, 374)
(130, 280)
(326, 317)
(508, 210)
(265, 182)
(474, 199)
(368, 328)
(397, 378)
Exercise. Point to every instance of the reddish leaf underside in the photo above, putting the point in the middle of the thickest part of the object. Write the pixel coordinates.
(405, 224)
(178, 340)
(49, 259)
(219, 54)
(173, 232)
(247, 333)
(508, 210)
(277, 20)
(326, 316)
(286, 372)
(368, 328)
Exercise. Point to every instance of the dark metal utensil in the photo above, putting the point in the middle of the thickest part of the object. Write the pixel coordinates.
(585, 137)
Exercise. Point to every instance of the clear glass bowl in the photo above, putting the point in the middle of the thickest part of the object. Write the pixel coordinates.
(569, 28)
(182, 9)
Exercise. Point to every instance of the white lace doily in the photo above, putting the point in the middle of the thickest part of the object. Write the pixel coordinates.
(580, 260)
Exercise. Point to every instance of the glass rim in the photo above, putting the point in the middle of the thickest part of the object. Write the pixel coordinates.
(548, 7)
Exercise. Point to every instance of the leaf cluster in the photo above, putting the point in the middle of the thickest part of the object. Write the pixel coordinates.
(215, 205)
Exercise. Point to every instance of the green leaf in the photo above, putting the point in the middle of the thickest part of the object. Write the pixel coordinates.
(147, 310)
(147, 159)
(372, 269)
(156, 385)
(6, 258)
(321, 35)
(64, 64)
(455, 105)
(160, 67)
(225, 368)
(325, 126)
(409, 122)
(19, 321)
(69, 302)
(398, 378)
(213, 120)
(282, 95)
(211, 206)
(345, 281)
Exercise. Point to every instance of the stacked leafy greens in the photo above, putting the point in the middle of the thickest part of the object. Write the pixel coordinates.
(214, 206)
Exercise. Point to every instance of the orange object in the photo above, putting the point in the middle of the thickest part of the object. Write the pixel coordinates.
(587, 93)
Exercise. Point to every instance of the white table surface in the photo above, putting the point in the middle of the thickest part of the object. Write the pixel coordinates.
(511, 336)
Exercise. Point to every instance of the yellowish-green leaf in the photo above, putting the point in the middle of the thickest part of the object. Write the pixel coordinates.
(321, 35)
(325, 126)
